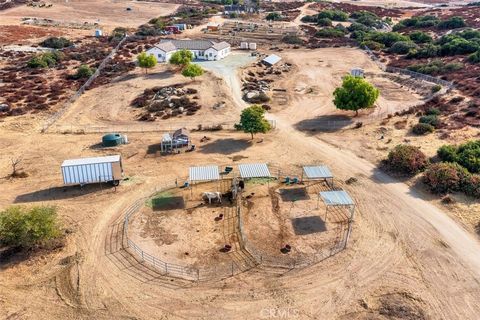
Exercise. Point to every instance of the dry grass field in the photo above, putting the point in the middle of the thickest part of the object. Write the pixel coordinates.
(108, 14)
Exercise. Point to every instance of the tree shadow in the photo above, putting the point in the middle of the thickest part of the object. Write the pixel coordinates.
(225, 146)
(61, 193)
(308, 225)
(324, 123)
(156, 75)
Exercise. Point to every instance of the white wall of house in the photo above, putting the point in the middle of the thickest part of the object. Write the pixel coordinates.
(161, 55)
(209, 54)
(212, 54)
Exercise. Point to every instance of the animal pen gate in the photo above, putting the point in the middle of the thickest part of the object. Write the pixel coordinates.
(339, 198)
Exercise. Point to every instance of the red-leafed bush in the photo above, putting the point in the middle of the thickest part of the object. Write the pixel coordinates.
(445, 177)
(406, 159)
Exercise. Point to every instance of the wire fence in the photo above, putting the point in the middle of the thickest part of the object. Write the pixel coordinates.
(50, 121)
(287, 262)
(225, 270)
(413, 74)
(216, 272)
(196, 125)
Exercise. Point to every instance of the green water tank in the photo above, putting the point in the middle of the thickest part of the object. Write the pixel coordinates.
(112, 140)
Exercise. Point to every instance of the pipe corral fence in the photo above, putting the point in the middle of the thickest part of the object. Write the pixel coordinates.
(218, 272)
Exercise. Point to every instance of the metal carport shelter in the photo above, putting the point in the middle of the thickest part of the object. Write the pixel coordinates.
(339, 198)
(319, 172)
(203, 174)
(254, 170)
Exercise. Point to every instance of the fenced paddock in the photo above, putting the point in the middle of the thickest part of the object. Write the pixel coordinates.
(245, 253)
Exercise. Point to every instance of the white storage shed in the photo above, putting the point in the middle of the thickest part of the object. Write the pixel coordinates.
(92, 170)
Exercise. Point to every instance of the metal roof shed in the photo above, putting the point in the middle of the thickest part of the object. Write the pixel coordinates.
(254, 170)
(319, 172)
(272, 59)
(204, 173)
(339, 198)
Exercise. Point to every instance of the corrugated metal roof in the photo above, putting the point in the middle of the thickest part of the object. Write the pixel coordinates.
(82, 161)
(254, 170)
(317, 172)
(272, 59)
(221, 45)
(206, 173)
(174, 45)
(166, 137)
(336, 198)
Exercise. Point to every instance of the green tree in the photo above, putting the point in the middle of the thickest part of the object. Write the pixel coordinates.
(192, 70)
(146, 61)
(181, 58)
(355, 94)
(252, 120)
(26, 227)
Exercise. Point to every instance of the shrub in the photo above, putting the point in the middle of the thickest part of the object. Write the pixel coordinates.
(433, 111)
(366, 18)
(402, 47)
(474, 57)
(452, 23)
(45, 60)
(373, 45)
(435, 67)
(457, 45)
(436, 88)
(273, 16)
(420, 37)
(56, 43)
(83, 72)
(386, 38)
(444, 177)
(471, 185)
(292, 39)
(324, 22)
(406, 159)
(330, 33)
(25, 228)
(358, 27)
(428, 51)
(37, 62)
(422, 128)
(418, 22)
(431, 120)
(468, 155)
(335, 15)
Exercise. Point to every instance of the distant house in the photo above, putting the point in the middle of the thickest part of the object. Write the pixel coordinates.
(201, 49)
(234, 8)
(357, 72)
(213, 26)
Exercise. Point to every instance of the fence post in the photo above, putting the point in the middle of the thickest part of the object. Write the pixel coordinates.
(143, 260)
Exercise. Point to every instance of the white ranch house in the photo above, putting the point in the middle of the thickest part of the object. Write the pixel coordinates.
(201, 49)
